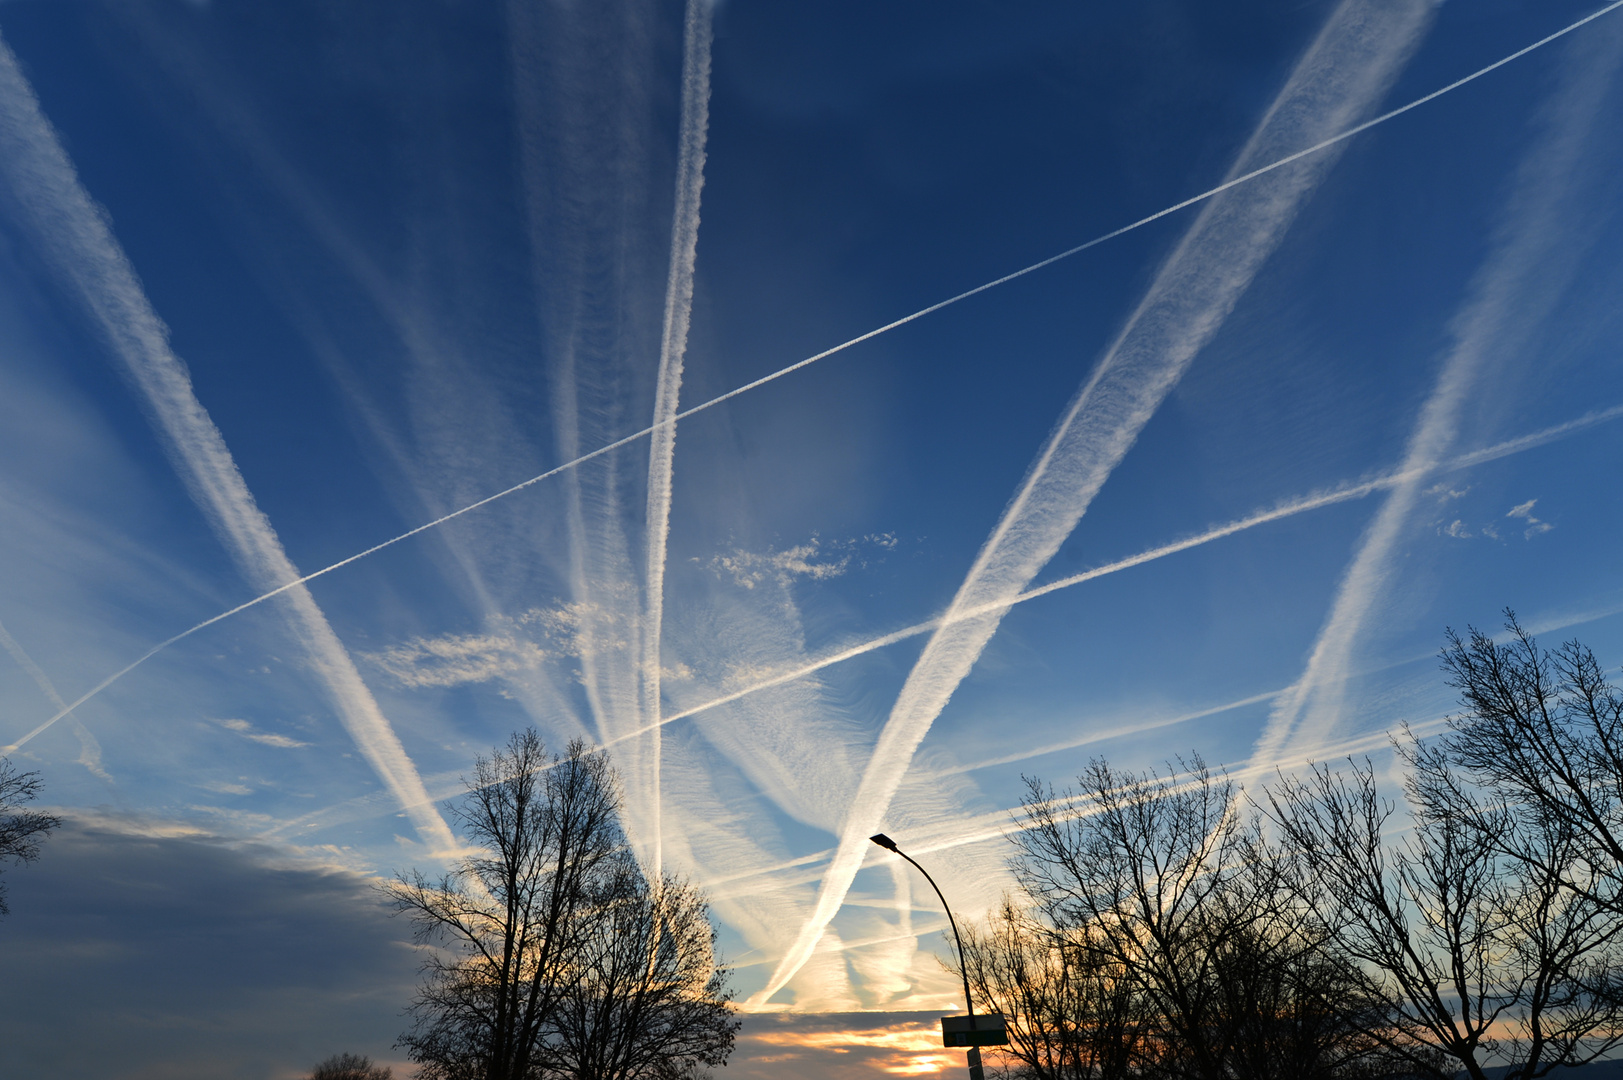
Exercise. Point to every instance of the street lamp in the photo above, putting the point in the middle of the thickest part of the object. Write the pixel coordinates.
(958, 1030)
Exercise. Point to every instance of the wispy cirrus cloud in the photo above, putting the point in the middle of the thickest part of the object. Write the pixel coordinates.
(816, 559)
(458, 659)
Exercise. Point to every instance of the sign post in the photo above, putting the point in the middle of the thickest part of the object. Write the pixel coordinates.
(987, 1029)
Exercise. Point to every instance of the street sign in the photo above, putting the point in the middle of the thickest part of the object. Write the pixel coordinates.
(986, 1029)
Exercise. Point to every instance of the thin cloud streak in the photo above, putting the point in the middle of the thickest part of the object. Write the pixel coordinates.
(998, 824)
(1277, 512)
(89, 748)
(1518, 286)
(1352, 63)
(449, 784)
(667, 393)
(75, 233)
(781, 372)
(1289, 508)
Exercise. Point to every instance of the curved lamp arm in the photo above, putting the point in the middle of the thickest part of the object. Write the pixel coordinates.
(963, 968)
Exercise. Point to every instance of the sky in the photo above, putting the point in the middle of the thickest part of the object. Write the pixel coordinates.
(840, 412)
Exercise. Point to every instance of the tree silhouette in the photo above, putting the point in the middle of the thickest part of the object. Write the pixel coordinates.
(21, 831)
(552, 955)
(350, 1067)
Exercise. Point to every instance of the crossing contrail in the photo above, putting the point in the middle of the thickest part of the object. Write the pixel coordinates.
(834, 350)
(1288, 508)
(74, 232)
(1525, 273)
(998, 824)
(1346, 70)
(450, 783)
(667, 393)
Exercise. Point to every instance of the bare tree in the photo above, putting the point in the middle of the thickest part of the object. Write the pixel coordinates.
(1482, 956)
(350, 1067)
(1147, 866)
(1544, 732)
(1071, 1011)
(509, 922)
(21, 831)
(1216, 962)
(648, 999)
(552, 954)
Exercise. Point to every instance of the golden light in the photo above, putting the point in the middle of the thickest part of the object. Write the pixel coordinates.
(910, 1049)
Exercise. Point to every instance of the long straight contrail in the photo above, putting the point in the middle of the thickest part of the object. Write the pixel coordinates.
(667, 393)
(74, 232)
(1346, 70)
(1534, 257)
(627, 440)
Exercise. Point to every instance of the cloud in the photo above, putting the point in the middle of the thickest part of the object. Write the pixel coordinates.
(748, 671)
(842, 1046)
(814, 560)
(1535, 526)
(252, 960)
(515, 646)
(264, 738)
(221, 787)
(458, 659)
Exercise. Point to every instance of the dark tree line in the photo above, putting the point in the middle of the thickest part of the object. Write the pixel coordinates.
(551, 954)
(1170, 926)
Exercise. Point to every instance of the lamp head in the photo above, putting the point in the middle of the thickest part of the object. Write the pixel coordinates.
(884, 841)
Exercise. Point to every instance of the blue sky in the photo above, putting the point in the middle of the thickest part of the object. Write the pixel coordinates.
(411, 256)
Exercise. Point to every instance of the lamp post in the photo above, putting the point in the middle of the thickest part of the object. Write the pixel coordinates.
(975, 1070)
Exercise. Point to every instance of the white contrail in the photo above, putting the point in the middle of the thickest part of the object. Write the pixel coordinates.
(1287, 508)
(75, 232)
(627, 440)
(1535, 255)
(450, 784)
(1346, 70)
(596, 246)
(997, 824)
(89, 748)
(667, 393)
